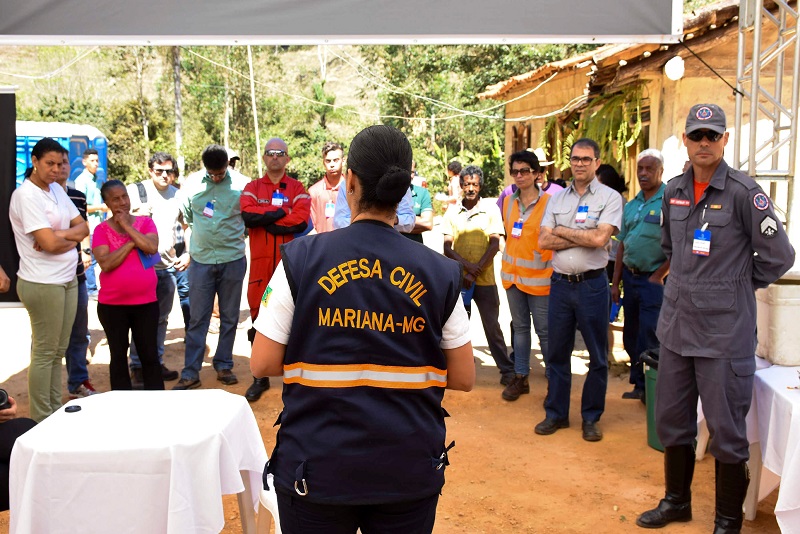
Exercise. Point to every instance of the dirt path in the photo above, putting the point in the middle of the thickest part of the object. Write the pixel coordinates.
(503, 477)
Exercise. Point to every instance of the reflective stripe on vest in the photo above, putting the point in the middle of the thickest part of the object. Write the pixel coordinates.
(353, 375)
(536, 263)
(531, 268)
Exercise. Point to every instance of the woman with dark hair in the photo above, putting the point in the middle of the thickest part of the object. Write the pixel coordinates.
(47, 226)
(126, 248)
(367, 329)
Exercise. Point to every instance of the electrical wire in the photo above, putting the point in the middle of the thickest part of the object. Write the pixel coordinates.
(54, 73)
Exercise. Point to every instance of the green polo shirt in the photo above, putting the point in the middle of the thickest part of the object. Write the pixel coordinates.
(214, 214)
(641, 232)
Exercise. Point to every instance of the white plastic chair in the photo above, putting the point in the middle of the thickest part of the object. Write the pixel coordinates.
(268, 502)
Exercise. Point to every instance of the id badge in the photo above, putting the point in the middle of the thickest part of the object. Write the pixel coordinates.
(582, 215)
(516, 230)
(208, 211)
(277, 199)
(330, 209)
(701, 246)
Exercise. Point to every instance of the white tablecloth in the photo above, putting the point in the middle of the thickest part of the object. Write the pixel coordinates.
(779, 431)
(136, 461)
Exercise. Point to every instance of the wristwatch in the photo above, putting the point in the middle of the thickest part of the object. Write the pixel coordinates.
(87, 251)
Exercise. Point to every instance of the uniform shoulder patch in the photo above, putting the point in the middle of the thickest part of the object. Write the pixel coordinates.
(761, 201)
(769, 227)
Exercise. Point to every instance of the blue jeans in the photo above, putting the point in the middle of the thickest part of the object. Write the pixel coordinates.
(525, 307)
(78, 341)
(182, 282)
(585, 305)
(205, 281)
(165, 293)
(91, 278)
(642, 304)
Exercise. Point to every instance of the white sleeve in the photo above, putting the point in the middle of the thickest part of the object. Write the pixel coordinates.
(32, 213)
(455, 332)
(276, 310)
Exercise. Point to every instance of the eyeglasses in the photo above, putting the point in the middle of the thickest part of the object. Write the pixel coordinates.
(522, 172)
(159, 172)
(218, 174)
(586, 160)
(698, 135)
(279, 153)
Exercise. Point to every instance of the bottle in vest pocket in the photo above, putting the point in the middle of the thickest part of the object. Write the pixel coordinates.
(516, 230)
(277, 199)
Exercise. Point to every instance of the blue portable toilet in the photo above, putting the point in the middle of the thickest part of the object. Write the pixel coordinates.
(74, 137)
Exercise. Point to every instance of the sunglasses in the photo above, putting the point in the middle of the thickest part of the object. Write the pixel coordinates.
(698, 135)
(522, 172)
(279, 153)
(158, 172)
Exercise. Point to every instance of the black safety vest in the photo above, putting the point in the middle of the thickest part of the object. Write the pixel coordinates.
(364, 375)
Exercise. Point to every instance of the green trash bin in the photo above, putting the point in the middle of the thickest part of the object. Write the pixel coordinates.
(650, 379)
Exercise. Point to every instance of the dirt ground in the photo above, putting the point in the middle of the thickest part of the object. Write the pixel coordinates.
(502, 477)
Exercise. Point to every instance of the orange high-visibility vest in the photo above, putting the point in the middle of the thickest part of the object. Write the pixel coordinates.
(525, 265)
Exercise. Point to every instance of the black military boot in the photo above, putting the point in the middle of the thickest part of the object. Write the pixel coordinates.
(677, 503)
(732, 482)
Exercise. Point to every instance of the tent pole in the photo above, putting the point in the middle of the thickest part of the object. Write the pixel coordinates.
(255, 111)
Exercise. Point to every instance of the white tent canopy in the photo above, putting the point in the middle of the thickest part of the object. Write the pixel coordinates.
(78, 22)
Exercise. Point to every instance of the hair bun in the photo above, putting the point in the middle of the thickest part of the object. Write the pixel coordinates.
(393, 184)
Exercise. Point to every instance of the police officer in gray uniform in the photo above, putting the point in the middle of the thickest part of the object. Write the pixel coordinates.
(724, 242)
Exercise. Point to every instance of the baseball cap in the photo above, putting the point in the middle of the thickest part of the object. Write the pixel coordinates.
(705, 117)
(232, 154)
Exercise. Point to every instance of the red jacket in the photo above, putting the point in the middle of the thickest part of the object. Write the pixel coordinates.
(272, 222)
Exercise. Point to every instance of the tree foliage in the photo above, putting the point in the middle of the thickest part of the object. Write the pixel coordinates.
(433, 92)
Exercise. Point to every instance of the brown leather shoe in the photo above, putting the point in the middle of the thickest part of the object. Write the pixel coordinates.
(518, 386)
(227, 377)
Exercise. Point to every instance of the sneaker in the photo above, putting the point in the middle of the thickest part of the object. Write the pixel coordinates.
(256, 389)
(166, 374)
(137, 382)
(518, 386)
(84, 390)
(213, 327)
(227, 377)
(93, 295)
(186, 383)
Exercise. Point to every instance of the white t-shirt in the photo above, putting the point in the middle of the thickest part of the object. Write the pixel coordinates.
(275, 317)
(32, 209)
(164, 207)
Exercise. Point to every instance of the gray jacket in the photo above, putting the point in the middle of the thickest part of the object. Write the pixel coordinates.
(709, 307)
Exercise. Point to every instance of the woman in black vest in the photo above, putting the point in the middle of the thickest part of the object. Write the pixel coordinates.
(367, 329)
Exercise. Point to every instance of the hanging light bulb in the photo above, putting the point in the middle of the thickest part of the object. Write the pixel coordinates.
(674, 68)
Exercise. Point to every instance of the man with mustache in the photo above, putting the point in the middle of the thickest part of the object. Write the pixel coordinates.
(472, 230)
(641, 266)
